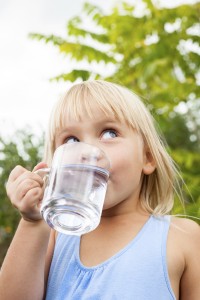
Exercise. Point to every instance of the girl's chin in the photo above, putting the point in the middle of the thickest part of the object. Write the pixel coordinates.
(108, 205)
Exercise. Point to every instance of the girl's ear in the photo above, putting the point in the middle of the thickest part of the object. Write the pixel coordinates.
(149, 163)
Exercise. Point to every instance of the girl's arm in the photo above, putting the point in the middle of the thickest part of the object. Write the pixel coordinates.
(190, 281)
(23, 274)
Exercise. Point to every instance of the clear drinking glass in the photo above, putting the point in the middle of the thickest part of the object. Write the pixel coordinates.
(75, 188)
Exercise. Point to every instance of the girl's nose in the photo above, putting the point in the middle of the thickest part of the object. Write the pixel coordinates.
(91, 157)
(82, 153)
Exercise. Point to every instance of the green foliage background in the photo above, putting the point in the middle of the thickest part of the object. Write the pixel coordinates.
(22, 149)
(153, 51)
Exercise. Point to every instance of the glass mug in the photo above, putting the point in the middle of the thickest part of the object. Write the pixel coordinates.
(75, 188)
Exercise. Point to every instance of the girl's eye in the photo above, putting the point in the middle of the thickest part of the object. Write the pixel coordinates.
(109, 134)
(71, 139)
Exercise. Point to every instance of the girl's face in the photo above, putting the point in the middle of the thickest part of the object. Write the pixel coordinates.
(125, 149)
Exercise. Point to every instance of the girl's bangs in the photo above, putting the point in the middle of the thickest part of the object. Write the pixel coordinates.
(85, 99)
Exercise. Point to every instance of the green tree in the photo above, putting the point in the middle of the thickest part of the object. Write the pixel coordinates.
(147, 52)
(22, 149)
(153, 51)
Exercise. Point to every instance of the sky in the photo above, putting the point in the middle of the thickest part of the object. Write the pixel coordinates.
(26, 94)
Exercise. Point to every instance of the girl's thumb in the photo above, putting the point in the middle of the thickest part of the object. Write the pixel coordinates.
(40, 165)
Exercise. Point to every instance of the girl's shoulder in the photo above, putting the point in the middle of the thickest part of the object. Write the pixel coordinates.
(184, 221)
(185, 227)
(186, 232)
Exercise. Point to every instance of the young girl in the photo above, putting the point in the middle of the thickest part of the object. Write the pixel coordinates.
(138, 251)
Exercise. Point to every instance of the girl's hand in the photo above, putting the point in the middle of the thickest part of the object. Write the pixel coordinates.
(25, 190)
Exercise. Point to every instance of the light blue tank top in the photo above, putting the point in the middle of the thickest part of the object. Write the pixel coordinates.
(137, 272)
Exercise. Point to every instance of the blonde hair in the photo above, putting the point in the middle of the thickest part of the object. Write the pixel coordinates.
(157, 191)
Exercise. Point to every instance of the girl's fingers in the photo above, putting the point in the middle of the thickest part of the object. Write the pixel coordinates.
(31, 200)
(24, 187)
(29, 176)
(25, 181)
(16, 172)
(19, 170)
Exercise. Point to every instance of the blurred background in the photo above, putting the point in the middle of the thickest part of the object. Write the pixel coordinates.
(151, 47)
